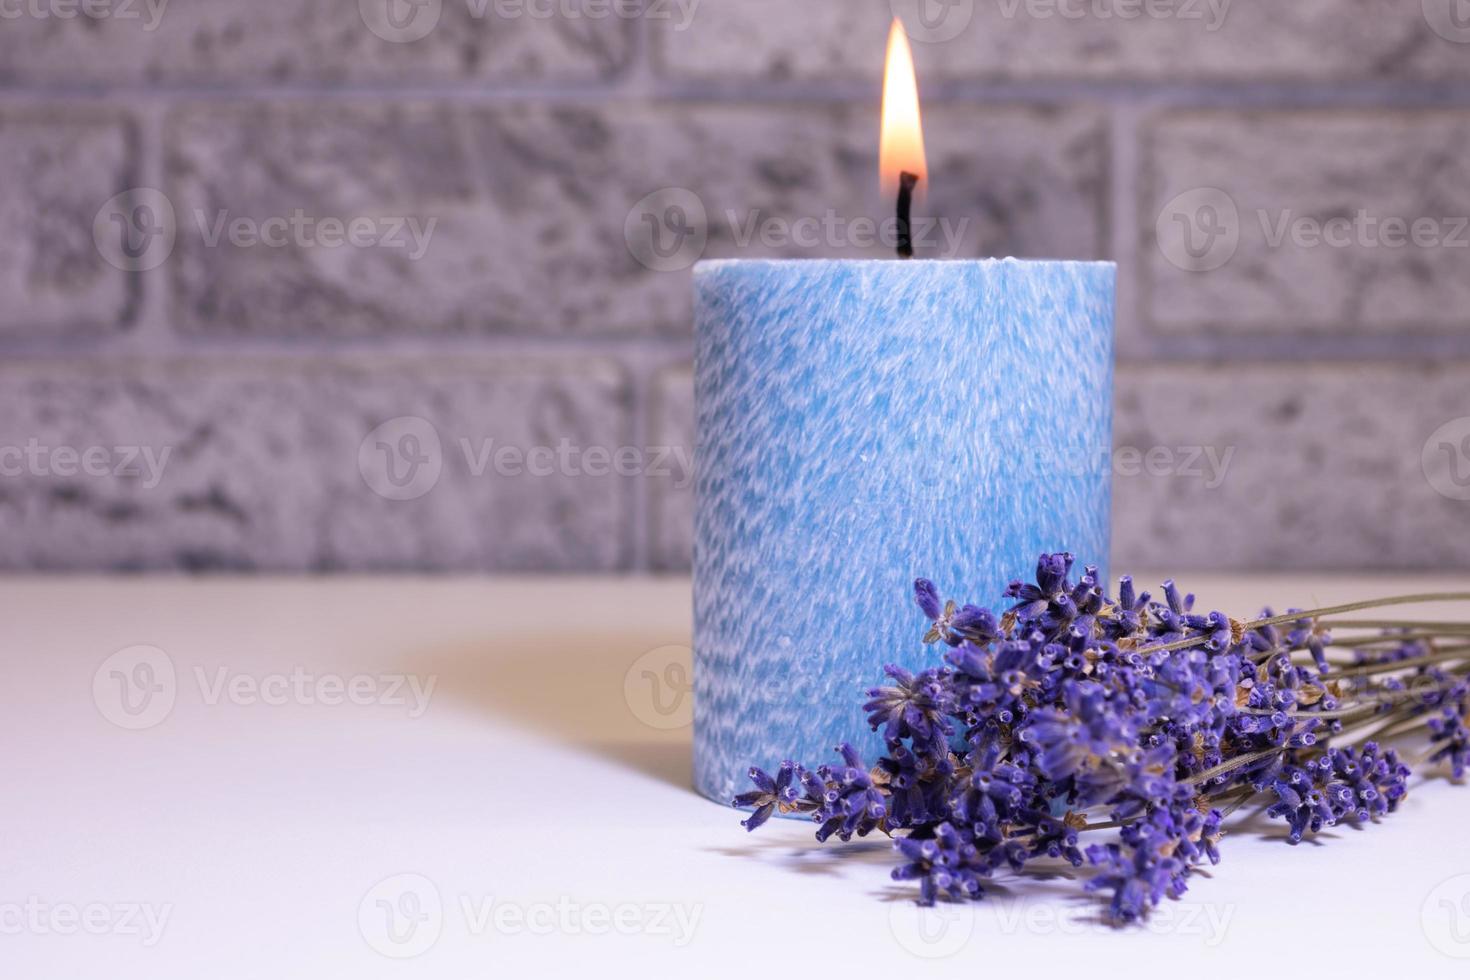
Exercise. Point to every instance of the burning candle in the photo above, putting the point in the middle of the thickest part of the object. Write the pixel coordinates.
(864, 423)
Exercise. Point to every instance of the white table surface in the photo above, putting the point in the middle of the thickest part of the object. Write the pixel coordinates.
(253, 830)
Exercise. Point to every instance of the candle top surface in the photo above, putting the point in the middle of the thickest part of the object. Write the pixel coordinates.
(812, 263)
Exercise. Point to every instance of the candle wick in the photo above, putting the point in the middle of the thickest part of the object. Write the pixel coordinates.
(906, 184)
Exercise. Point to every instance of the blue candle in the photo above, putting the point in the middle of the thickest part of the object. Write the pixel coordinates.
(861, 424)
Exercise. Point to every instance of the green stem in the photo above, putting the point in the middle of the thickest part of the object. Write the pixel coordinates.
(1235, 763)
(1393, 639)
(1308, 614)
(1401, 600)
(1388, 666)
(1241, 801)
(1389, 624)
(1374, 725)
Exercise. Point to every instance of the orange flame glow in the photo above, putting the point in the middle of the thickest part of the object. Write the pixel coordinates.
(902, 146)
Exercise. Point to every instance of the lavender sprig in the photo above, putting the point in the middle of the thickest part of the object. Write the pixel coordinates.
(1076, 712)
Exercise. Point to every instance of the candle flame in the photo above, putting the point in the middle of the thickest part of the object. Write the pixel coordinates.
(902, 146)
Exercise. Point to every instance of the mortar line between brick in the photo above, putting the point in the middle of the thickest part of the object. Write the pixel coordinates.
(640, 83)
(191, 349)
(1142, 348)
(1249, 348)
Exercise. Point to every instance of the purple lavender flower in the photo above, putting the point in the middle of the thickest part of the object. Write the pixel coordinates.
(1303, 804)
(993, 796)
(994, 682)
(1137, 875)
(1078, 712)
(915, 707)
(951, 623)
(944, 863)
(851, 803)
(927, 596)
(1450, 734)
(972, 624)
(1305, 634)
(770, 793)
(1125, 617)
(918, 786)
(1089, 726)
(1051, 583)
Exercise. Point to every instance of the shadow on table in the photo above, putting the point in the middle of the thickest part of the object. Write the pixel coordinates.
(1048, 880)
(1053, 886)
(626, 699)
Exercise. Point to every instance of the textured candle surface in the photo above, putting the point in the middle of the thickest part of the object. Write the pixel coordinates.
(861, 424)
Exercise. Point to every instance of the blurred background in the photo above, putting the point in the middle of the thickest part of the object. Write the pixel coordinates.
(403, 285)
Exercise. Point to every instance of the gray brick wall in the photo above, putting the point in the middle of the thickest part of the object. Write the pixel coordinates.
(329, 285)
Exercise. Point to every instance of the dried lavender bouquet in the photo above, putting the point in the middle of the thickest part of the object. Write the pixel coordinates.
(1076, 712)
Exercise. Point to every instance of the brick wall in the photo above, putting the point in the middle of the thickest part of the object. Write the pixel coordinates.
(493, 374)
